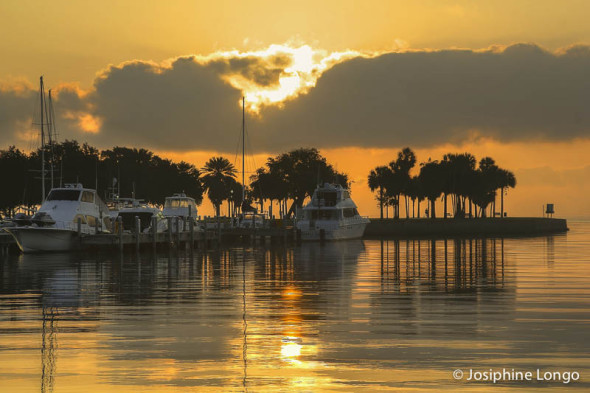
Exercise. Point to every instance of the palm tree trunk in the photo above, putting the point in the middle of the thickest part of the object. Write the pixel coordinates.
(445, 209)
(381, 201)
(502, 202)
(407, 206)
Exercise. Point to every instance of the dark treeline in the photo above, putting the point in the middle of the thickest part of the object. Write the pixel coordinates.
(293, 176)
(152, 177)
(288, 177)
(471, 188)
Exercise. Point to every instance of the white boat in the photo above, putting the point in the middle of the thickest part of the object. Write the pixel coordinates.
(65, 212)
(331, 215)
(130, 208)
(180, 205)
(251, 220)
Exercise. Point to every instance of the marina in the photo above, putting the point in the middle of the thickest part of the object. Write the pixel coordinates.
(284, 231)
(334, 196)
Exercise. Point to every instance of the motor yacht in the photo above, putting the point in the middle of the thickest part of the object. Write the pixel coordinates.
(65, 213)
(331, 215)
(130, 208)
(180, 205)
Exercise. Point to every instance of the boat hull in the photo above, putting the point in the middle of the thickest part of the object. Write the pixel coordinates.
(339, 232)
(32, 240)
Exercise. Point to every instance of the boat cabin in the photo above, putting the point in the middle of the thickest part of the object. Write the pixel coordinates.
(180, 205)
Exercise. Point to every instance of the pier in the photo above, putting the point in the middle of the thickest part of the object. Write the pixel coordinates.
(471, 227)
(192, 239)
(187, 236)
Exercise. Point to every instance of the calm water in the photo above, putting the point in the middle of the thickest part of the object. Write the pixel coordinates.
(351, 316)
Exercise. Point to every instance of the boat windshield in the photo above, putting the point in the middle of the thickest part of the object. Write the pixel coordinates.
(176, 203)
(64, 195)
(324, 214)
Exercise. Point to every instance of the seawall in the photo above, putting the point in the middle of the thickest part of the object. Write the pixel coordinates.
(508, 226)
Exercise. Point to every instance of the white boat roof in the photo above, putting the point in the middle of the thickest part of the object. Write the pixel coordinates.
(341, 201)
(180, 196)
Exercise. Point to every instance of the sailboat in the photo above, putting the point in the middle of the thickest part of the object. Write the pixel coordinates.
(65, 213)
(249, 217)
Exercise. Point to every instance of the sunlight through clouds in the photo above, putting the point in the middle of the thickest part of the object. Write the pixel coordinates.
(305, 65)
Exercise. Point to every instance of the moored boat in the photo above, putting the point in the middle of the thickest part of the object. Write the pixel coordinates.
(331, 215)
(182, 206)
(66, 213)
(136, 208)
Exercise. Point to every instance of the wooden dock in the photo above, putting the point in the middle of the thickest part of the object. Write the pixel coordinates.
(200, 239)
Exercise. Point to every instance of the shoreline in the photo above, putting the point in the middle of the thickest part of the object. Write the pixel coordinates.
(473, 227)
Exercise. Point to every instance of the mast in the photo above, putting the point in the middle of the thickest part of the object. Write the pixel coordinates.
(51, 126)
(243, 150)
(41, 94)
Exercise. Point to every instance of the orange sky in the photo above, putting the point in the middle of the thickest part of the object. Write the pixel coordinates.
(562, 185)
(73, 42)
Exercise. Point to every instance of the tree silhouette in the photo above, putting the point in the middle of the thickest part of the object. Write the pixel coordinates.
(377, 180)
(218, 180)
(432, 178)
(302, 170)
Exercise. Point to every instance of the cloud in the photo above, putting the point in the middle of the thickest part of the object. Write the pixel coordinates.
(428, 98)
(16, 112)
(307, 97)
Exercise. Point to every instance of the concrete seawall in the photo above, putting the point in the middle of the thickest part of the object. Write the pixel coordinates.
(512, 226)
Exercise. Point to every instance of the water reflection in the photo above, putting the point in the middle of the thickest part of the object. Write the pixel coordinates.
(340, 316)
(452, 266)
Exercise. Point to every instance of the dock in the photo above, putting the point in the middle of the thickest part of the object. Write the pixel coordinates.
(192, 239)
(377, 228)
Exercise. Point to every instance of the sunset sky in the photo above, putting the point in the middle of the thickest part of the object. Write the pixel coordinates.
(358, 80)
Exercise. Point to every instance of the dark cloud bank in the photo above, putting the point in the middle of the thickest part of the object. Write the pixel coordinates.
(415, 98)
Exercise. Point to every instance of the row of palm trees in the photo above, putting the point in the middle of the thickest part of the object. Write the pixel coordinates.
(471, 188)
(288, 177)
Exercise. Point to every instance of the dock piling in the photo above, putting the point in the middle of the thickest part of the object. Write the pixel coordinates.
(137, 232)
(191, 226)
(154, 232)
(120, 229)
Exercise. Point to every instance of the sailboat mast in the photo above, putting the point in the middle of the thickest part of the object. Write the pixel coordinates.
(41, 94)
(51, 127)
(243, 150)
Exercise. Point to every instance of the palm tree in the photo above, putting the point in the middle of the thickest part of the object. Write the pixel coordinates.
(406, 159)
(377, 180)
(301, 170)
(218, 176)
(460, 169)
(433, 183)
